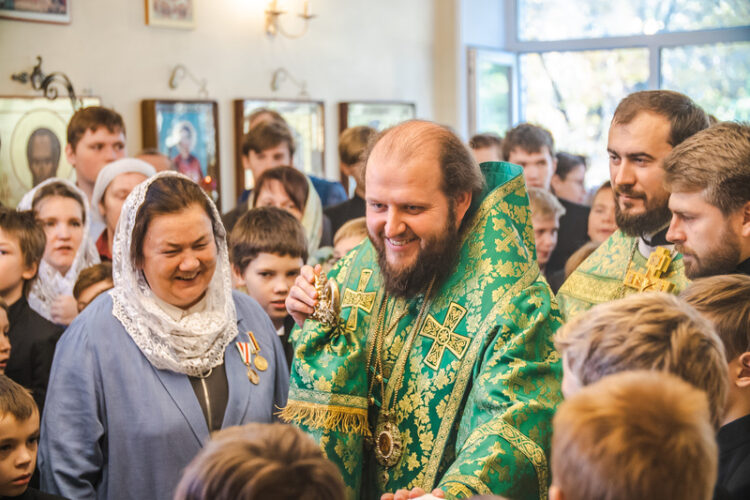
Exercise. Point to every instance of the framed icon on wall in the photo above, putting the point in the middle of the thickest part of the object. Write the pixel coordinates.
(187, 132)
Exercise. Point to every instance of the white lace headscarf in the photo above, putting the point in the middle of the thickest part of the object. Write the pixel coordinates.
(49, 283)
(193, 345)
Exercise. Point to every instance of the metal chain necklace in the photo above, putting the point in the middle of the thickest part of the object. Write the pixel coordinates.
(387, 438)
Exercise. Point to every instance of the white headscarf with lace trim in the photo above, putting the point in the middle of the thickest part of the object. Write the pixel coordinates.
(194, 344)
(49, 283)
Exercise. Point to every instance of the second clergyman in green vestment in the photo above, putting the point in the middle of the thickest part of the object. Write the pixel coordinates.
(453, 387)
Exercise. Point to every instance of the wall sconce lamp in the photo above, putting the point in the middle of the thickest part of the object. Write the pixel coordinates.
(48, 83)
(180, 72)
(273, 25)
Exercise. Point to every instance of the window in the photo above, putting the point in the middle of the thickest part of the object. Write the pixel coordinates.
(540, 19)
(577, 60)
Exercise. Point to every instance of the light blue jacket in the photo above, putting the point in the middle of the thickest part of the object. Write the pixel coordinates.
(115, 427)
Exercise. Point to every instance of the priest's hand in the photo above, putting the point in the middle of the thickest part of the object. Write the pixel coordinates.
(64, 309)
(302, 297)
(414, 493)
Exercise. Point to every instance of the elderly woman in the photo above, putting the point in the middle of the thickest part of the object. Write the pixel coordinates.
(63, 211)
(169, 355)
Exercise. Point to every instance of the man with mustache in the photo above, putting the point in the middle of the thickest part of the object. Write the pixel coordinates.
(709, 179)
(645, 127)
(437, 372)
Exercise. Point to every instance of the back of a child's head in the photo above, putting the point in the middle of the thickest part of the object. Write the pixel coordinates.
(91, 276)
(266, 230)
(634, 435)
(15, 400)
(22, 226)
(350, 229)
(725, 301)
(646, 331)
(353, 143)
(260, 461)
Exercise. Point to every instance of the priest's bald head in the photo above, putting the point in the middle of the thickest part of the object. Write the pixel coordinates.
(420, 181)
(708, 176)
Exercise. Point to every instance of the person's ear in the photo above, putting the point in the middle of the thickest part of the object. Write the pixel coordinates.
(237, 279)
(746, 220)
(30, 271)
(246, 164)
(555, 493)
(742, 378)
(70, 155)
(463, 202)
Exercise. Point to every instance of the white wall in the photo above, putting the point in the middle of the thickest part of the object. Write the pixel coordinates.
(354, 50)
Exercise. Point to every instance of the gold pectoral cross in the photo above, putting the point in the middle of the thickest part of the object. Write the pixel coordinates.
(445, 336)
(358, 299)
(657, 264)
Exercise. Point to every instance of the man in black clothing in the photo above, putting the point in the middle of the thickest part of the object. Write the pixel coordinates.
(533, 148)
(32, 338)
(725, 301)
(708, 176)
(352, 145)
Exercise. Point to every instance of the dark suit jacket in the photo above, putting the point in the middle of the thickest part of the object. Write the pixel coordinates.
(32, 347)
(344, 212)
(573, 234)
(288, 347)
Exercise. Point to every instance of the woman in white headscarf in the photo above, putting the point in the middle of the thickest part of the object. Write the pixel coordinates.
(169, 355)
(63, 211)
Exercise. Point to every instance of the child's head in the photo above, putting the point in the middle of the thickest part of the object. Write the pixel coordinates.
(282, 187)
(351, 234)
(19, 437)
(645, 331)
(22, 242)
(268, 144)
(725, 301)
(634, 435)
(267, 250)
(4, 340)
(91, 282)
(353, 143)
(260, 461)
(601, 223)
(546, 211)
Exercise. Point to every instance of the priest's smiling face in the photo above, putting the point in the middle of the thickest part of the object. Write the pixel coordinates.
(179, 256)
(412, 223)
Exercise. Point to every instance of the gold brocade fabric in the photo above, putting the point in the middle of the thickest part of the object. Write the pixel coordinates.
(481, 381)
(600, 278)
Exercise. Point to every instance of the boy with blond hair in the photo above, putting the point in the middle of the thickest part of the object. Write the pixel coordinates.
(725, 301)
(267, 250)
(634, 435)
(647, 331)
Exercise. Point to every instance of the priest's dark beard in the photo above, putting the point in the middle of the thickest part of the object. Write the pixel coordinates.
(436, 260)
(656, 216)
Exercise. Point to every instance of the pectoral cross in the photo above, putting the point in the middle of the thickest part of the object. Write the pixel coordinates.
(445, 336)
(358, 299)
(657, 264)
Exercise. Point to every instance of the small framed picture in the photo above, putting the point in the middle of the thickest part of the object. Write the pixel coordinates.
(33, 136)
(305, 118)
(44, 11)
(376, 114)
(171, 13)
(188, 133)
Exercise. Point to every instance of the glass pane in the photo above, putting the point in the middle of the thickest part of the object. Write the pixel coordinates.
(574, 95)
(493, 94)
(716, 76)
(540, 19)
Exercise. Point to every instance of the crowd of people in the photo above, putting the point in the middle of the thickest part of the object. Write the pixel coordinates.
(473, 322)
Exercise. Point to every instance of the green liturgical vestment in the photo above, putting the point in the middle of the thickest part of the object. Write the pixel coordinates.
(601, 277)
(471, 377)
